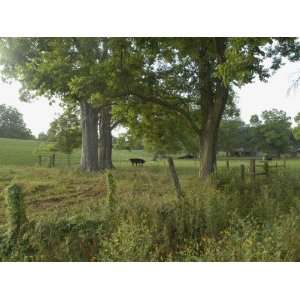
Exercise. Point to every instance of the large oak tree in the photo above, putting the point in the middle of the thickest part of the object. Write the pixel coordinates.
(74, 70)
(196, 77)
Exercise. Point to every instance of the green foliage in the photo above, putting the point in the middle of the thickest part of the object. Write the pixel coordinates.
(296, 129)
(130, 242)
(63, 67)
(273, 132)
(161, 131)
(45, 149)
(121, 142)
(246, 240)
(73, 239)
(15, 209)
(127, 141)
(12, 124)
(65, 132)
(231, 135)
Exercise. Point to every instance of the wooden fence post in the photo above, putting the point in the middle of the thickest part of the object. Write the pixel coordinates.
(266, 168)
(252, 167)
(40, 160)
(175, 178)
(53, 160)
(50, 161)
(227, 164)
(243, 172)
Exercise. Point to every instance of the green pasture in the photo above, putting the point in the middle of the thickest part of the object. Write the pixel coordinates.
(14, 152)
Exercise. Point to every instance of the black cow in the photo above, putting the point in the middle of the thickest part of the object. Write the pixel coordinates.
(137, 161)
(267, 157)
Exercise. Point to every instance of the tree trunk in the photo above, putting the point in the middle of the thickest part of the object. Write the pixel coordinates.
(105, 139)
(214, 95)
(209, 133)
(89, 155)
(175, 178)
(208, 156)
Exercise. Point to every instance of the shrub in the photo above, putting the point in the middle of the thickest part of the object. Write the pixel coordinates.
(111, 190)
(130, 242)
(15, 209)
(246, 240)
(225, 220)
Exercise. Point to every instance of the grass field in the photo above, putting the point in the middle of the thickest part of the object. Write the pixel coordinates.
(22, 153)
(14, 152)
(72, 218)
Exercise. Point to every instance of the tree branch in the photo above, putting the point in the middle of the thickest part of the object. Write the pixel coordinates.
(170, 106)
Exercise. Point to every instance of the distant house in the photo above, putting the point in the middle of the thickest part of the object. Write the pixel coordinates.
(297, 150)
(294, 152)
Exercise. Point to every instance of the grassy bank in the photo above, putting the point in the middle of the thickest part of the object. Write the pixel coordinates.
(70, 217)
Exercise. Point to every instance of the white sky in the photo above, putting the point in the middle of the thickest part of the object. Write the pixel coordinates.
(258, 96)
(253, 99)
(37, 114)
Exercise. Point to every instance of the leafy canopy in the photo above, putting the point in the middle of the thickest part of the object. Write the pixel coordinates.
(12, 124)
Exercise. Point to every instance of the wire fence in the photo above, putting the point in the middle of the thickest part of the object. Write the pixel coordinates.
(184, 166)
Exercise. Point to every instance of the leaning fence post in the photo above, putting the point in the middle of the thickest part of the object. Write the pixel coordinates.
(227, 164)
(252, 167)
(175, 178)
(266, 168)
(243, 172)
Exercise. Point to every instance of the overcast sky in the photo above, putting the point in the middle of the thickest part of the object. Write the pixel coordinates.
(253, 99)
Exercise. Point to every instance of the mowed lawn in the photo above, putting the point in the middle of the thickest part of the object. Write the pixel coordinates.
(18, 152)
(15, 152)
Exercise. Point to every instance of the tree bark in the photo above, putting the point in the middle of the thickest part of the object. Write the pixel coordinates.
(105, 139)
(214, 95)
(89, 155)
(175, 178)
(209, 132)
(207, 152)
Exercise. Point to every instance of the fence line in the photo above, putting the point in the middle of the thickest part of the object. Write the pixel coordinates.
(256, 167)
